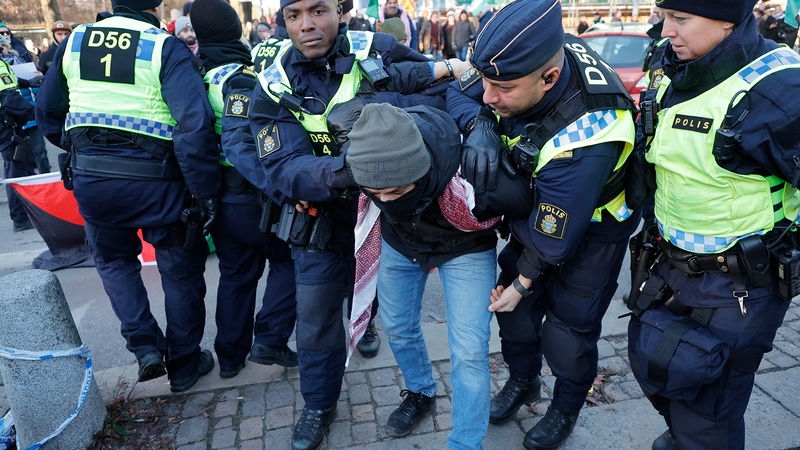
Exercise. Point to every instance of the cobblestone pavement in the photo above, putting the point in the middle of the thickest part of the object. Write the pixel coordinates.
(261, 415)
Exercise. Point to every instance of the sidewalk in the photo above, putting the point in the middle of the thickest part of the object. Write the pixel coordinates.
(260, 414)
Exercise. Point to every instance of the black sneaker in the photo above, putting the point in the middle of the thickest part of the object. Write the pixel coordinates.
(311, 428)
(666, 441)
(282, 356)
(370, 342)
(22, 226)
(515, 393)
(151, 366)
(229, 372)
(551, 431)
(403, 419)
(205, 362)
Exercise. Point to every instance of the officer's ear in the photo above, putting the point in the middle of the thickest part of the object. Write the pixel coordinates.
(339, 10)
(550, 77)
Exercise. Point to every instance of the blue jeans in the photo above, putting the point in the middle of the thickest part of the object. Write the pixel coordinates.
(467, 281)
(461, 53)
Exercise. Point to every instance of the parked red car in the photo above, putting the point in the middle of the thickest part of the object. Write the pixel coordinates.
(622, 46)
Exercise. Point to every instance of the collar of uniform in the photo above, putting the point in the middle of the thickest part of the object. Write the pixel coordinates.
(141, 16)
(701, 74)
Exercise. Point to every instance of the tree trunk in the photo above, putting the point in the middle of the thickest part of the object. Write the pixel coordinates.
(51, 13)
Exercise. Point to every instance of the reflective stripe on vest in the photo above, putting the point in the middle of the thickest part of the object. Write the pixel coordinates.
(135, 105)
(700, 206)
(215, 79)
(274, 82)
(591, 129)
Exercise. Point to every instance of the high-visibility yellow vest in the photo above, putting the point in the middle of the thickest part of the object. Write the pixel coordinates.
(264, 53)
(700, 206)
(613, 125)
(113, 70)
(274, 81)
(215, 79)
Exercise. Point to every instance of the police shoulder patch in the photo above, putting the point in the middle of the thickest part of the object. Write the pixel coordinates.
(237, 105)
(550, 220)
(655, 78)
(6, 79)
(468, 78)
(268, 141)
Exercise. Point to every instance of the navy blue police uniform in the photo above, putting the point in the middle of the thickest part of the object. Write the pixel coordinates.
(118, 193)
(242, 248)
(710, 414)
(561, 318)
(285, 163)
(15, 111)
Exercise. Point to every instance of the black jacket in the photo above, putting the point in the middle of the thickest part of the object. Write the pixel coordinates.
(426, 237)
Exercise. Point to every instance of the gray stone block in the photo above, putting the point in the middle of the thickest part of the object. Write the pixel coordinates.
(339, 434)
(359, 394)
(196, 404)
(280, 417)
(251, 428)
(223, 438)
(605, 349)
(381, 377)
(387, 395)
(783, 387)
(279, 394)
(280, 439)
(35, 317)
(192, 430)
(364, 433)
(227, 404)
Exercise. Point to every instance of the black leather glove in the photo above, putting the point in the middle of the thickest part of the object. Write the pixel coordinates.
(343, 116)
(208, 207)
(481, 155)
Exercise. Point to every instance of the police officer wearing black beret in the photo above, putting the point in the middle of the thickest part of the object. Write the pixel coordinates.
(722, 133)
(549, 128)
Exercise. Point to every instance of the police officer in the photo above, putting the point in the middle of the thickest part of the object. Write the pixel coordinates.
(297, 155)
(263, 53)
(133, 114)
(15, 111)
(242, 249)
(727, 164)
(554, 142)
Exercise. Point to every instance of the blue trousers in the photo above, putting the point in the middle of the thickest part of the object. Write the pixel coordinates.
(14, 169)
(324, 279)
(243, 252)
(561, 319)
(115, 251)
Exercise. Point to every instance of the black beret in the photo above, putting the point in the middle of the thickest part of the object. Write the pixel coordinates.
(734, 11)
(136, 5)
(519, 39)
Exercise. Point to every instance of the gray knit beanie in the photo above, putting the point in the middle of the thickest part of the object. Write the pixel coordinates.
(386, 148)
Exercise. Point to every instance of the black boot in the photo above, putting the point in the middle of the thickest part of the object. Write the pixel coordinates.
(282, 356)
(22, 226)
(403, 419)
(311, 428)
(370, 343)
(515, 393)
(551, 431)
(666, 441)
(205, 362)
(151, 366)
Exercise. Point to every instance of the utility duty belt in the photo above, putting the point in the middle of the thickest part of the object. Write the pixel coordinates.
(298, 229)
(235, 182)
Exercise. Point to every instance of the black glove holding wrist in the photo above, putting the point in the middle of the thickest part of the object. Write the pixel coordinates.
(208, 207)
(481, 155)
(343, 116)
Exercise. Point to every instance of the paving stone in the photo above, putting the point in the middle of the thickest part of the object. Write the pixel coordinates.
(342, 411)
(251, 428)
(195, 446)
(788, 348)
(280, 439)
(280, 393)
(254, 392)
(445, 367)
(444, 386)
(224, 437)
(363, 413)
(765, 365)
(253, 444)
(196, 404)
(783, 386)
(443, 405)
(251, 408)
(633, 389)
(614, 364)
(788, 333)
(781, 359)
(296, 385)
(192, 430)
(339, 434)
(359, 393)
(364, 433)
(614, 393)
(227, 404)
(503, 437)
(353, 378)
(443, 422)
(279, 417)
(224, 423)
(171, 409)
(382, 377)
(382, 414)
(618, 344)
(604, 349)
(299, 401)
(425, 425)
(386, 395)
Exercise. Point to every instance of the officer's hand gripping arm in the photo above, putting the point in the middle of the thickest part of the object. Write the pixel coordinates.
(481, 155)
